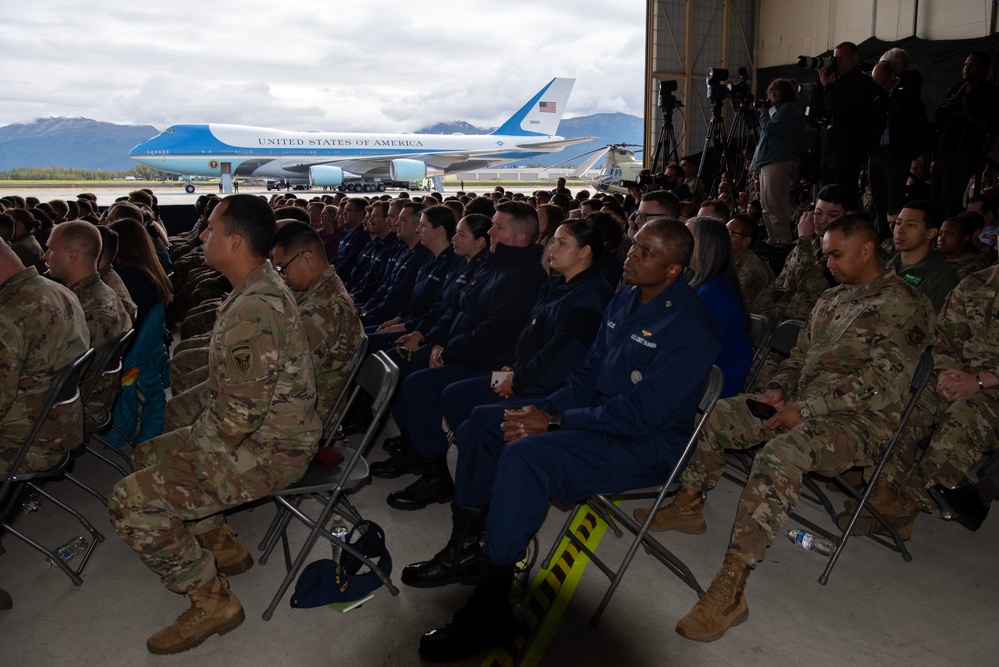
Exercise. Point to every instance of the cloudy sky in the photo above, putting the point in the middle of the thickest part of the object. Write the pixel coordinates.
(305, 64)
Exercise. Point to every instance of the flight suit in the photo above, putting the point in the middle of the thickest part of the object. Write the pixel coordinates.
(627, 413)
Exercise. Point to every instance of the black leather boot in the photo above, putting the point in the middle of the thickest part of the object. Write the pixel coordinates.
(435, 486)
(458, 561)
(406, 461)
(484, 621)
(963, 504)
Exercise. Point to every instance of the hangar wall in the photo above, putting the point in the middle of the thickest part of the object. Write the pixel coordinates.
(684, 38)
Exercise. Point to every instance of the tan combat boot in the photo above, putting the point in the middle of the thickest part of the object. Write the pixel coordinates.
(213, 610)
(899, 510)
(231, 557)
(685, 514)
(723, 606)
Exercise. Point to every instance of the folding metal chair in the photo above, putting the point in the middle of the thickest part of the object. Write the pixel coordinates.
(605, 508)
(355, 365)
(760, 327)
(377, 378)
(783, 340)
(108, 363)
(920, 378)
(64, 390)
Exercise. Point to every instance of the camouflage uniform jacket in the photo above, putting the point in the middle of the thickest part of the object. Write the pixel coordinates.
(111, 278)
(42, 329)
(968, 263)
(969, 327)
(804, 278)
(261, 386)
(858, 350)
(931, 275)
(756, 280)
(107, 321)
(334, 332)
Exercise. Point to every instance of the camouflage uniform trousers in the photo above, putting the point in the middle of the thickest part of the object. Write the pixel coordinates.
(176, 493)
(827, 444)
(959, 434)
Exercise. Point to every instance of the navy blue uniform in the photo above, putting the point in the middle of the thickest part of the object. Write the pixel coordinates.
(397, 288)
(626, 415)
(563, 324)
(352, 243)
(736, 354)
(370, 269)
(458, 276)
(492, 310)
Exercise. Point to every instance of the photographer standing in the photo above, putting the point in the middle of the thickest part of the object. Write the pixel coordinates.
(848, 96)
(966, 118)
(899, 136)
(781, 128)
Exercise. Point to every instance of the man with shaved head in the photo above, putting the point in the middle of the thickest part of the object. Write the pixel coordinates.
(73, 250)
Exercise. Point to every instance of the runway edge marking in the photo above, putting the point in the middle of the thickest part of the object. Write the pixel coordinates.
(549, 596)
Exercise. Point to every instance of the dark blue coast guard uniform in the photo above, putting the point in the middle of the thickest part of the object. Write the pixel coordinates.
(626, 415)
(351, 244)
(370, 268)
(491, 311)
(459, 275)
(563, 324)
(397, 287)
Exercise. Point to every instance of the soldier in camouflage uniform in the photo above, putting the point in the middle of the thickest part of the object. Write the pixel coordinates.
(954, 243)
(257, 436)
(838, 398)
(804, 275)
(42, 329)
(73, 249)
(756, 278)
(960, 410)
(330, 319)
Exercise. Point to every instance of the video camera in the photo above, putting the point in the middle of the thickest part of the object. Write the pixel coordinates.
(718, 89)
(667, 100)
(828, 63)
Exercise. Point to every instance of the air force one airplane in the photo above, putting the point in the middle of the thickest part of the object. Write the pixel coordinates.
(355, 161)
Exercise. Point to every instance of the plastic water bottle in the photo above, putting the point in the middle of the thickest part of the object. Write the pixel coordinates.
(340, 530)
(74, 547)
(807, 540)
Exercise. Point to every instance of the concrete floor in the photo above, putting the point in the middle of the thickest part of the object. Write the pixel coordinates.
(939, 609)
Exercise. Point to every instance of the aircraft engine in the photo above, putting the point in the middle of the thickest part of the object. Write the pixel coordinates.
(324, 174)
(408, 170)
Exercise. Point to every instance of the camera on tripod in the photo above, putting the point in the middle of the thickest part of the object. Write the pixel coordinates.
(828, 63)
(667, 99)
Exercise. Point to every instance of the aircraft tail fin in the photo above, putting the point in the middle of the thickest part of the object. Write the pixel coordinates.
(542, 115)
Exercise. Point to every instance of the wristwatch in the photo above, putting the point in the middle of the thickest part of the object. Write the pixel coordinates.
(804, 412)
(555, 424)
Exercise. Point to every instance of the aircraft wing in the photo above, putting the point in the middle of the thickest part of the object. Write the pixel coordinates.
(553, 146)
(443, 161)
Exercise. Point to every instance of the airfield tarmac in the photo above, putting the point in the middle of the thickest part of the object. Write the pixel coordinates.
(173, 195)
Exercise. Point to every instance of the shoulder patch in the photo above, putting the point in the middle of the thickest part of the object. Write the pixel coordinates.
(241, 357)
(915, 281)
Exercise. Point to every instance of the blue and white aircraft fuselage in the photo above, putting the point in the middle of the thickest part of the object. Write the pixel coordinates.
(330, 158)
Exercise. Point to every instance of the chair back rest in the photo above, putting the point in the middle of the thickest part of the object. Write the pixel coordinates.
(378, 378)
(108, 362)
(352, 369)
(709, 398)
(759, 330)
(786, 336)
(920, 378)
(64, 390)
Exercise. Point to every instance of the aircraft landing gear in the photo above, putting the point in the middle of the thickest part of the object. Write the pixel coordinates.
(189, 188)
